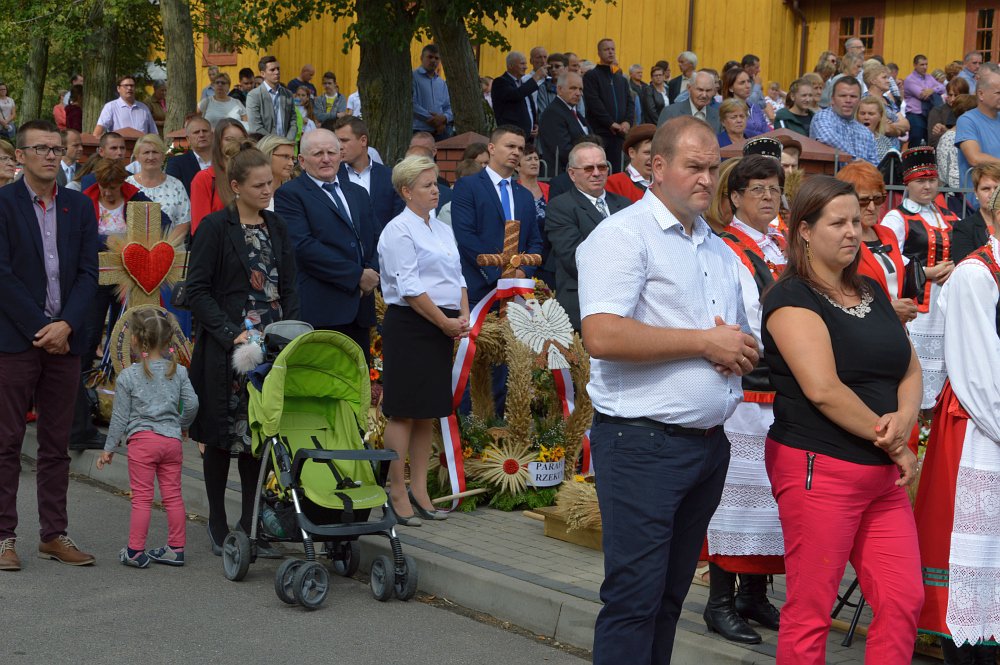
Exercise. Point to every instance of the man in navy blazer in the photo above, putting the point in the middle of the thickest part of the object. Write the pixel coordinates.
(358, 167)
(48, 277)
(330, 222)
(513, 102)
(478, 212)
(185, 166)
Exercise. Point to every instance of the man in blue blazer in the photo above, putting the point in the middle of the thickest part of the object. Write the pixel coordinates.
(185, 166)
(48, 277)
(330, 222)
(479, 209)
(358, 167)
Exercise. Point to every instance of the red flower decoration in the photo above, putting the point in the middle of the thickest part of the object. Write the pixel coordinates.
(511, 466)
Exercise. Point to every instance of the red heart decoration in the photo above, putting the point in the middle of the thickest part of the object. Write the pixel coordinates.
(148, 267)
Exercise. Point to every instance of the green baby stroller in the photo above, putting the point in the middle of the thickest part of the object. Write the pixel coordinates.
(308, 414)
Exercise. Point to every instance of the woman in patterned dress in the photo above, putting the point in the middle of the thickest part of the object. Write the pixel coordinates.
(241, 278)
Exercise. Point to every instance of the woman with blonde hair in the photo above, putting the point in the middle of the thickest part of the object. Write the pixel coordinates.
(8, 163)
(871, 114)
(427, 310)
(281, 152)
(733, 114)
(168, 191)
(220, 105)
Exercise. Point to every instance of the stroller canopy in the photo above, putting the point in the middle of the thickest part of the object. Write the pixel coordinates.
(320, 365)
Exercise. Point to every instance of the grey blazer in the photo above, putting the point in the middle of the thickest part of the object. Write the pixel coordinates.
(684, 108)
(569, 219)
(260, 112)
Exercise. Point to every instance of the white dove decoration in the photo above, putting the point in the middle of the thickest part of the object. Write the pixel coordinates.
(544, 328)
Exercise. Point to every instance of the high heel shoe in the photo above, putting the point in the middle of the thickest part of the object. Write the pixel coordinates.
(423, 512)
(216, 548)
(412, 520)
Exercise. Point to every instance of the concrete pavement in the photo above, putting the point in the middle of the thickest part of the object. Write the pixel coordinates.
(501, 564)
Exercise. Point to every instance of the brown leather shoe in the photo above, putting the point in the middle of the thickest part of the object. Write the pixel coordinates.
(64, 550)
(8, 557)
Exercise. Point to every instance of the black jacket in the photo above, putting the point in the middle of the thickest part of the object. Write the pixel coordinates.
(569, 219)
(606, 96)
(968, 235)
(509, 107)
(652, 104)
(218, 282)
(557, 130)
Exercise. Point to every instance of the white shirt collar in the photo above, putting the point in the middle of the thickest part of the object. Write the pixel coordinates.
(699, 230)
(363, 171)
(496, 178)
(593, 200)
(695, 110)
(320, 183)
(636, 176)
(268, 88)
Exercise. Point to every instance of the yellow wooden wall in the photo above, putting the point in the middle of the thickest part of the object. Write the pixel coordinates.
(649, 30)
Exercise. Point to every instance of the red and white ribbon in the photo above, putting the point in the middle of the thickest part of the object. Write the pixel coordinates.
(506, 288)
(567, 398)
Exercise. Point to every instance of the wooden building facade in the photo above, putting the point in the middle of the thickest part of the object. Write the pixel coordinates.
(788, 36)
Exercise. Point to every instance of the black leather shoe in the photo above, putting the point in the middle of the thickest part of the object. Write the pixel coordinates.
(411, 520)
(752, 602)
(720, 612)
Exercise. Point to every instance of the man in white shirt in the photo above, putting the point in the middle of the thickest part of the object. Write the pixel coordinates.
(125, 112)
(357, 166)
(664, 322)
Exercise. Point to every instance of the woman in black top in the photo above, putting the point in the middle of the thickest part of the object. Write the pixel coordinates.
(848, 392)
(241, 275)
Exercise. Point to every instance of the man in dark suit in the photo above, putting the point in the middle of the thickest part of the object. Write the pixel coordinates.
(185, 166)
(512, 98)
(605, 93)
(687, 62)
(270, 109)
(570, 217)
(701, 90)
(358, 167)
(73, 143)
(481, 205)
(330, 222)
(561, 124)
(48, 277)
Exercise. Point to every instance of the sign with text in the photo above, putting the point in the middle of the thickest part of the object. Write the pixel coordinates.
(546, 474)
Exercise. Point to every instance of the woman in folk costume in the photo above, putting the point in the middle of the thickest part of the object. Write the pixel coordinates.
(923, 231)
(958, 503)
(744, 536)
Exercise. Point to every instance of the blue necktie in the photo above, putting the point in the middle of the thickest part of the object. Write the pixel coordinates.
(337, 203)
(277, 111)
(505, 200)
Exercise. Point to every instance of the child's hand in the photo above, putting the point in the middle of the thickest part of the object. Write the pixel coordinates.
(105, 458)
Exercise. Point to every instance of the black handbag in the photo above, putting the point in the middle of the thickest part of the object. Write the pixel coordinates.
(914, 280)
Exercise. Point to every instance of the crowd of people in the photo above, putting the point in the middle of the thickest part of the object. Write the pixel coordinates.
(814, 326)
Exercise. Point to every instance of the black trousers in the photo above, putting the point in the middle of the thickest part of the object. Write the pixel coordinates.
(657, 494)
(83, 427)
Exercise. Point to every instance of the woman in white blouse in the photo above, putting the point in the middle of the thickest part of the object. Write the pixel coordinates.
(220, 105)
(428, 309)
(168, 191)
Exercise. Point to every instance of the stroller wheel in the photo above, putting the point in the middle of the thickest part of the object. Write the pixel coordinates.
(236, 555)
(406, 584)
(347, 558)
(382, 577)
(310, 584)
(284, 578)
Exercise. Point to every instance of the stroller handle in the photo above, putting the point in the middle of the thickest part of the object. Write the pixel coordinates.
(304, 454)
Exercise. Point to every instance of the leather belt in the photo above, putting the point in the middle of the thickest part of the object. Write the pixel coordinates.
(649, 423)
